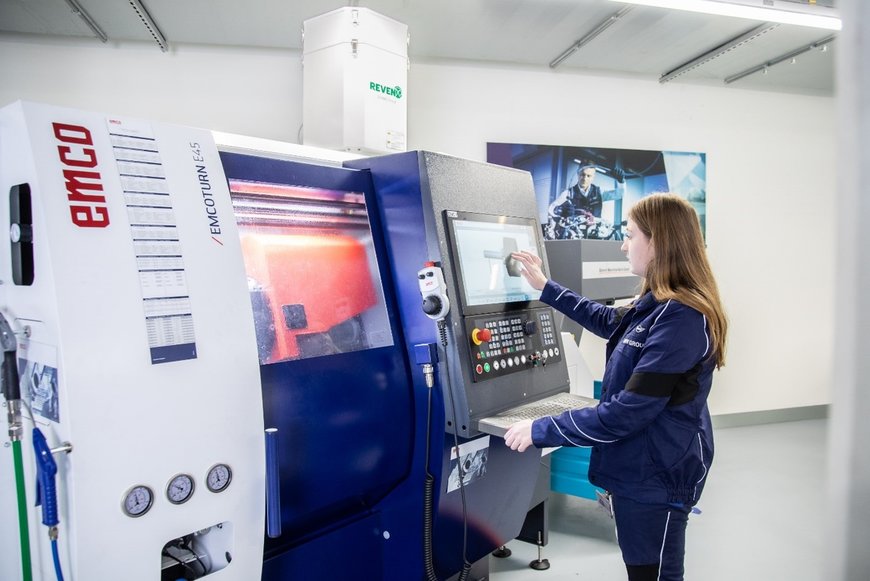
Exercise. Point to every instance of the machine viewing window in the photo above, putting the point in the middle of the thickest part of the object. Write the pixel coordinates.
(488, 277)
(312, 270)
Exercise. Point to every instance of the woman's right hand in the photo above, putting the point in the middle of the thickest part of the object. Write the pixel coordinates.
(519, 436)
(531, 270)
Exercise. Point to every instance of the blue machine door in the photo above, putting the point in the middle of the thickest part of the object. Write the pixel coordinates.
(335, 377)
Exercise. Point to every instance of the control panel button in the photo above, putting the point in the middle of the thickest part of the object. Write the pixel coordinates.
(479, 336)
(505, 344)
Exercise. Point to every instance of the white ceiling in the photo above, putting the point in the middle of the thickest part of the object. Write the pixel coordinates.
(647, 41)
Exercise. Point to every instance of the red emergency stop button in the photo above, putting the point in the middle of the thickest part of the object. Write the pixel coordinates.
(479, 336)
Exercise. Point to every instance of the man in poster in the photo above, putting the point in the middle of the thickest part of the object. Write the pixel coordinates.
(582, 200)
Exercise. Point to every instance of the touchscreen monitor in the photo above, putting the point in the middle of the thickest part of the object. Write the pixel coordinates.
(489, 279)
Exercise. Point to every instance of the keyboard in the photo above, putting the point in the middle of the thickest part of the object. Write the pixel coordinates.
(553, 405)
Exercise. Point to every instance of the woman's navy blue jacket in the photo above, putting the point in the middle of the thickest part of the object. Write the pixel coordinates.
(651, 435)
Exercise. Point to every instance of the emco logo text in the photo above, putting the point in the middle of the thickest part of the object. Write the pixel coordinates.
(87, 204)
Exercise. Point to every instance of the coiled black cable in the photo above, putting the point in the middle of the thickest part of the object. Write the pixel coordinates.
(429, 483)
(466, 566)
(428, 503)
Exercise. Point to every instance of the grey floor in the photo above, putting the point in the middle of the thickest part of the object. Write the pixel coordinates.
(762, 516)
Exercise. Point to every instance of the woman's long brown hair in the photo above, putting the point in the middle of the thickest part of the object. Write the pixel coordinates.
(679, 269)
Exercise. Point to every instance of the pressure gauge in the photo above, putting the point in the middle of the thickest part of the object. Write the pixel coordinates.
(180, 489)
(219, 477)
(137, 501)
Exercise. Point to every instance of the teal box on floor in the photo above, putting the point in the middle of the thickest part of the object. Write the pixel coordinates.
(569, 472)
(569, 468)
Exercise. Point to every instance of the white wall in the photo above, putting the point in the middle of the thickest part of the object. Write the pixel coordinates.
(254, 92)
(771, 161)
(770, 197)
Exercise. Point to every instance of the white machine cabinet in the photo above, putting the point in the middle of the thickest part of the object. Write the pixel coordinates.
(136, 345)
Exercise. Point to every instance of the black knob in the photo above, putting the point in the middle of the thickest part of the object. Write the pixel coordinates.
(432, 304)
(530, 327)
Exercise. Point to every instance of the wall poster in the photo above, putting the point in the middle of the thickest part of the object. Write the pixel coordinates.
(586, 192)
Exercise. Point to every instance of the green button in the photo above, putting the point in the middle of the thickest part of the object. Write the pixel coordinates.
(486, 367)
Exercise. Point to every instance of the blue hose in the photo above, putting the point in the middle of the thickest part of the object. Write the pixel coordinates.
(57, 570)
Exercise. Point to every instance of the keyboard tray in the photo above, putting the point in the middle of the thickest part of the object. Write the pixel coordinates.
(553, 405)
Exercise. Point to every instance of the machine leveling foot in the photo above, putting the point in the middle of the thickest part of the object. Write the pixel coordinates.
(540, 564)
(502, 552)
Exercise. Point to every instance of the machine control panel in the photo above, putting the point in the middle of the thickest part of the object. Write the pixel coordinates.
(505, 343)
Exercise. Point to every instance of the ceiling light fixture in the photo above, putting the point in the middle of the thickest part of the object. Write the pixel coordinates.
(725, 47)
(80, 12)
(150, 24)
(764, 10)
(602, 26)
(788, 56)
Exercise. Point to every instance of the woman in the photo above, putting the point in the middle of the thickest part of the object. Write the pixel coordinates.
(651, 435)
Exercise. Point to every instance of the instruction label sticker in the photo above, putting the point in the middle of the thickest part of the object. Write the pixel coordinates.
(156, 243)
(469, 461)
(37, 370)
